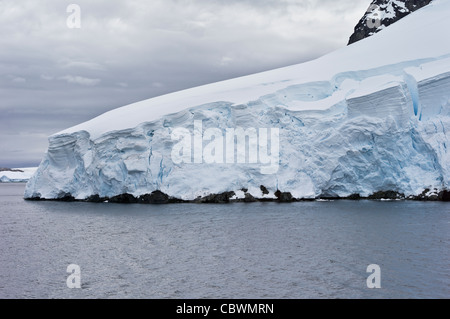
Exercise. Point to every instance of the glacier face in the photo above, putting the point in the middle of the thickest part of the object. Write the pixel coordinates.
(347, 130)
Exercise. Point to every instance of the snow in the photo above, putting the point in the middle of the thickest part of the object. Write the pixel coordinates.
(407, 42)
(17, 175)
(369, 117)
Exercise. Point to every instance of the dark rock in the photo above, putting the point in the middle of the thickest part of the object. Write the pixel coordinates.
(386, 195)
(283, 196)
(249, 198)
(354, 197)
(96, 199)
(124, 199)
(65, 197)
(423, 195)
(156, 197)
(367, 27)
(444, 196)
(4, 169)
(427, 195)
(264, 190)
(217, 198)
(34, 199)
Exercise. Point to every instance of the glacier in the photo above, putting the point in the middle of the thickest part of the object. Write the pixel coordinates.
(370, 118)
(16, 175)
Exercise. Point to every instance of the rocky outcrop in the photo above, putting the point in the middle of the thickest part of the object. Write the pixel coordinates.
(4, 169)
(381, 14)
(158, 197)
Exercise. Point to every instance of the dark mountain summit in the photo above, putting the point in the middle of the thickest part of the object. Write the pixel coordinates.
(381, 14)
(4, 169)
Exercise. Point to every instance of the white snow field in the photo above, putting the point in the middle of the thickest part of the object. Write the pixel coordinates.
(17, 175)
(369, 117)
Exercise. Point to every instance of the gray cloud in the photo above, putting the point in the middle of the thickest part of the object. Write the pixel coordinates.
(53, 77)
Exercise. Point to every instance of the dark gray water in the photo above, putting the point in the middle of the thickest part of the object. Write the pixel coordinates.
(257, 250)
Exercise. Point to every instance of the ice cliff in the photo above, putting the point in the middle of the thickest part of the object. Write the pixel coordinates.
(371, 118)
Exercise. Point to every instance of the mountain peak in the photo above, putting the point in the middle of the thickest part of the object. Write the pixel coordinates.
(381, 14)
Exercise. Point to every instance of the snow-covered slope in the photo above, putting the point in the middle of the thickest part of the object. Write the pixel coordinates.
(17, 175)
(371, 117)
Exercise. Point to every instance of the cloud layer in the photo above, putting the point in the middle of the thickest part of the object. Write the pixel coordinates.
(53, 77)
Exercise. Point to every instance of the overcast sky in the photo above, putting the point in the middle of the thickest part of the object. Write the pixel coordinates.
(53, 77)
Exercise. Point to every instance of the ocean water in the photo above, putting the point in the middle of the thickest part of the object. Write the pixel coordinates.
(254, 250)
